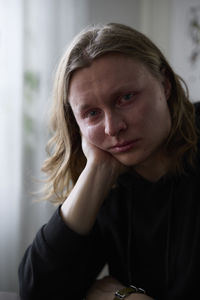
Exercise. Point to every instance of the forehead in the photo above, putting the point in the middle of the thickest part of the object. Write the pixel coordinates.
(108, 64)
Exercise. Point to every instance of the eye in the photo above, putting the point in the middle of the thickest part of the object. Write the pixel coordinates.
(126, 99)
(92, 114)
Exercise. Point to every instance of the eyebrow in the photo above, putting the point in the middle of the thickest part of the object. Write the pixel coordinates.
(83, 107)
(119, 91)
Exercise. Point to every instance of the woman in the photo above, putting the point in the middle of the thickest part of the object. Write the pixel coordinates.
(124, 166)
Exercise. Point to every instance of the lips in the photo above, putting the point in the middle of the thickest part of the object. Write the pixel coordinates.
(123, 147)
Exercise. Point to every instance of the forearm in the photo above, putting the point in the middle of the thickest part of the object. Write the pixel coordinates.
(57, 259)
(80, 209)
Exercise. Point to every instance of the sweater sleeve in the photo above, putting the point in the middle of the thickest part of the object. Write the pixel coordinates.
(60, 264)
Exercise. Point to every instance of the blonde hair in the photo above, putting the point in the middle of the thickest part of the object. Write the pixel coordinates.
(65, 159)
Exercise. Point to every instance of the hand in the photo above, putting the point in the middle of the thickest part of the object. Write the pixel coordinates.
(99, 156)
(92, 152)
(104, 289)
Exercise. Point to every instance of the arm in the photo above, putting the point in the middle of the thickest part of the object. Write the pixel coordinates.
(67, 253)
(60, 263)
(82, 206)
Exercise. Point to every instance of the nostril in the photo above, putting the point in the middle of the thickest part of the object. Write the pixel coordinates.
(113, 128)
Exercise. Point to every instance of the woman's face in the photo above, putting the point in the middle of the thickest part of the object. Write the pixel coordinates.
(121, 108)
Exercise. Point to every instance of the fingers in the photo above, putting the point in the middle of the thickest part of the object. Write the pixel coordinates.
(86, 146)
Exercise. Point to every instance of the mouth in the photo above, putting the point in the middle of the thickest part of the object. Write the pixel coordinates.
(123, 147)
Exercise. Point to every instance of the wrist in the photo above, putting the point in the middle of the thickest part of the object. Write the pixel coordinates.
(104, 172)
(127, 291)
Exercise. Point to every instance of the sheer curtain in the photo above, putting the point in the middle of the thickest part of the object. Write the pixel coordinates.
(186, 25)
(11, 90)
(33, 34)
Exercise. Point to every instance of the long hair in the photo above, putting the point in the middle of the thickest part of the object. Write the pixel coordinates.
(66, 160)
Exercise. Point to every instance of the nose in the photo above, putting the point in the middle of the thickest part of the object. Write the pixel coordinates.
(114, 124)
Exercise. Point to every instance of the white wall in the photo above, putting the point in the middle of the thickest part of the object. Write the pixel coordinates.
(155, 22)
(185, 41)
(122, 11)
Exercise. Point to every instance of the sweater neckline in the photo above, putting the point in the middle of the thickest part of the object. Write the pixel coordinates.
(131, 177)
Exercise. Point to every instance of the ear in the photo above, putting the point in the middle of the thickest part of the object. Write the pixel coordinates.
(166, 84)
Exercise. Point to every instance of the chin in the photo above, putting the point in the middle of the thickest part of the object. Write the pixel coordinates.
(127, 161)
(131, 160)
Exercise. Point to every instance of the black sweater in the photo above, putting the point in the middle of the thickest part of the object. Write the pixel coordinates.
(147, 233)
